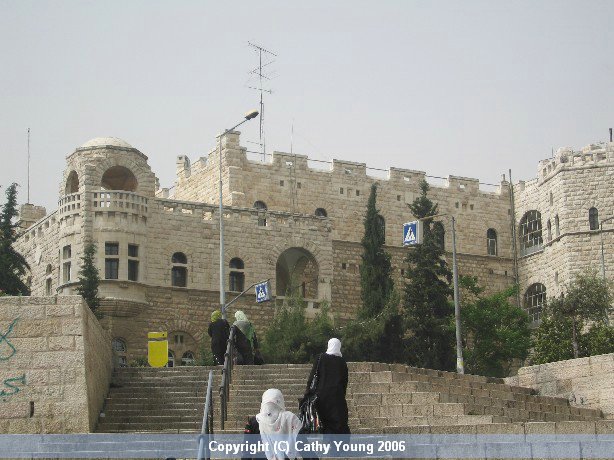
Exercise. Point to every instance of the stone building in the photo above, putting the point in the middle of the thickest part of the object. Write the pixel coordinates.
(298, 223)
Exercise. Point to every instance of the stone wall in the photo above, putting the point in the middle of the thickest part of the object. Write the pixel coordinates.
(567, 186)
(586, 382)
(55, 365)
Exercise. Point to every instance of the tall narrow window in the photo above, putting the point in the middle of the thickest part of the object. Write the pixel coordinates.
(382, 224)
(133, 262)
(111, 261)
(171, 359)
(49, 280)
(66, 265)
(549, 227)
(261, 206)
(119, 347)
(439, 233)
(491, 242)
(593, 219)
(179, 272)
(531, 239)
(236, 278)
(557, 230)
(534, 300)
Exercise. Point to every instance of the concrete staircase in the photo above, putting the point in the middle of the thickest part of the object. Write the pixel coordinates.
(381, 398)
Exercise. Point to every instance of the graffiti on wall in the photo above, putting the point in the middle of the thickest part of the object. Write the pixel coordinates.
(7, 351)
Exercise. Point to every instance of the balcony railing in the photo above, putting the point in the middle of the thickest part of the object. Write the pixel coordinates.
(69, 204)
(119, 201)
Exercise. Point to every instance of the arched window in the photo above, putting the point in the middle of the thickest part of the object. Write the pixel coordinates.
(179, 272)
(491, 242)
(119, 178)
(439, 233)
(593, 219)
(321, 212)
(72, 183)
(382, 224)
(261, 206)
(171, 359)
(119, 348)
(534, 300)
(236, 277)
(531, 233)
(187, 359)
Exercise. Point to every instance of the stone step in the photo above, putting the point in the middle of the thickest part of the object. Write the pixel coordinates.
(428, 420)
(104, 427)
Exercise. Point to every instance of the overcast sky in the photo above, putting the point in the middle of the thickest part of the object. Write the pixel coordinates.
(468, 88)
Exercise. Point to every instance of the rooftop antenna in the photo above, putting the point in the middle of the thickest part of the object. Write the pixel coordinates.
(28, 166)
(258, 72)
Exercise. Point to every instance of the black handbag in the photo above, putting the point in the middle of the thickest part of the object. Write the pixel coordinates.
(308, 415)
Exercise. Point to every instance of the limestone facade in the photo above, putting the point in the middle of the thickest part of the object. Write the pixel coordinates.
(290, 220)
(55, 365)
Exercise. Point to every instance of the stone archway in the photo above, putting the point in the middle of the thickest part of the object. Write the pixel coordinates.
(297, 269)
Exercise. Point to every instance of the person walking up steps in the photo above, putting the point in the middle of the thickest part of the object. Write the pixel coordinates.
(332, 383)
(219, 330)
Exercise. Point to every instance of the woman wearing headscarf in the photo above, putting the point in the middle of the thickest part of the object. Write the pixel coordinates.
(219, 330)
(245, 338)
(331, 386)
(277, 424)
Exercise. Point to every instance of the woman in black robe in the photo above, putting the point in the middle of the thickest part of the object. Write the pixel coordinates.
(331, 388)
(219, 330)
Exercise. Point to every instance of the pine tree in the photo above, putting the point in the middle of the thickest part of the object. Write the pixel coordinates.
(376, 285)
(13, 265)
(89, 279)
(429, 313)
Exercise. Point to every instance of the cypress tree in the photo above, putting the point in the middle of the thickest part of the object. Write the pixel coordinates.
(13, 265)
(89, 279)
(376, 285)
(428, 311)
(377, 334)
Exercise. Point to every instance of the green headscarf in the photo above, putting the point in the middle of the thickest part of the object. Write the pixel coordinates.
(245, 326)
(215, 315)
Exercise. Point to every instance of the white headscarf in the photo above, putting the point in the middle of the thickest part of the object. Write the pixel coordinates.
(334, 347)
(276, 423)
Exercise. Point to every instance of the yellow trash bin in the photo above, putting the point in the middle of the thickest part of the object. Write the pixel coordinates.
(157, 349)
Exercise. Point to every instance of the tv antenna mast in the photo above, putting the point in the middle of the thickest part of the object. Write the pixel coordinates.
(258, 72)
(28, 166)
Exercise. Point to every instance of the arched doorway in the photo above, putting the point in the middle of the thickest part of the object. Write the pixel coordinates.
(297, 271)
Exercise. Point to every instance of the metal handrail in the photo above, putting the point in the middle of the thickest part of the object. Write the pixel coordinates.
(207, 427)
(227, 376)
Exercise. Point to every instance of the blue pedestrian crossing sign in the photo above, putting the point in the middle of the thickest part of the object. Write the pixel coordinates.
(263, 291)
(412, 233)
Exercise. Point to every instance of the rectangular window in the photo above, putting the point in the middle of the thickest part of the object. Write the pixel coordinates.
(111, 249)
(66, 252)
(133, 250)
(48, 286)
(357, 192)
(341, 190)
(111, 269)
(298, 185)
(133, 270)
(66, 272)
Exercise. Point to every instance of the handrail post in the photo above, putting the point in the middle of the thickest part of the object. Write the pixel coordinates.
(207, 427)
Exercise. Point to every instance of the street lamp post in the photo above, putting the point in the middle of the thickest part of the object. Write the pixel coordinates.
(602, 252)
(460, 366)
(248, 116)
